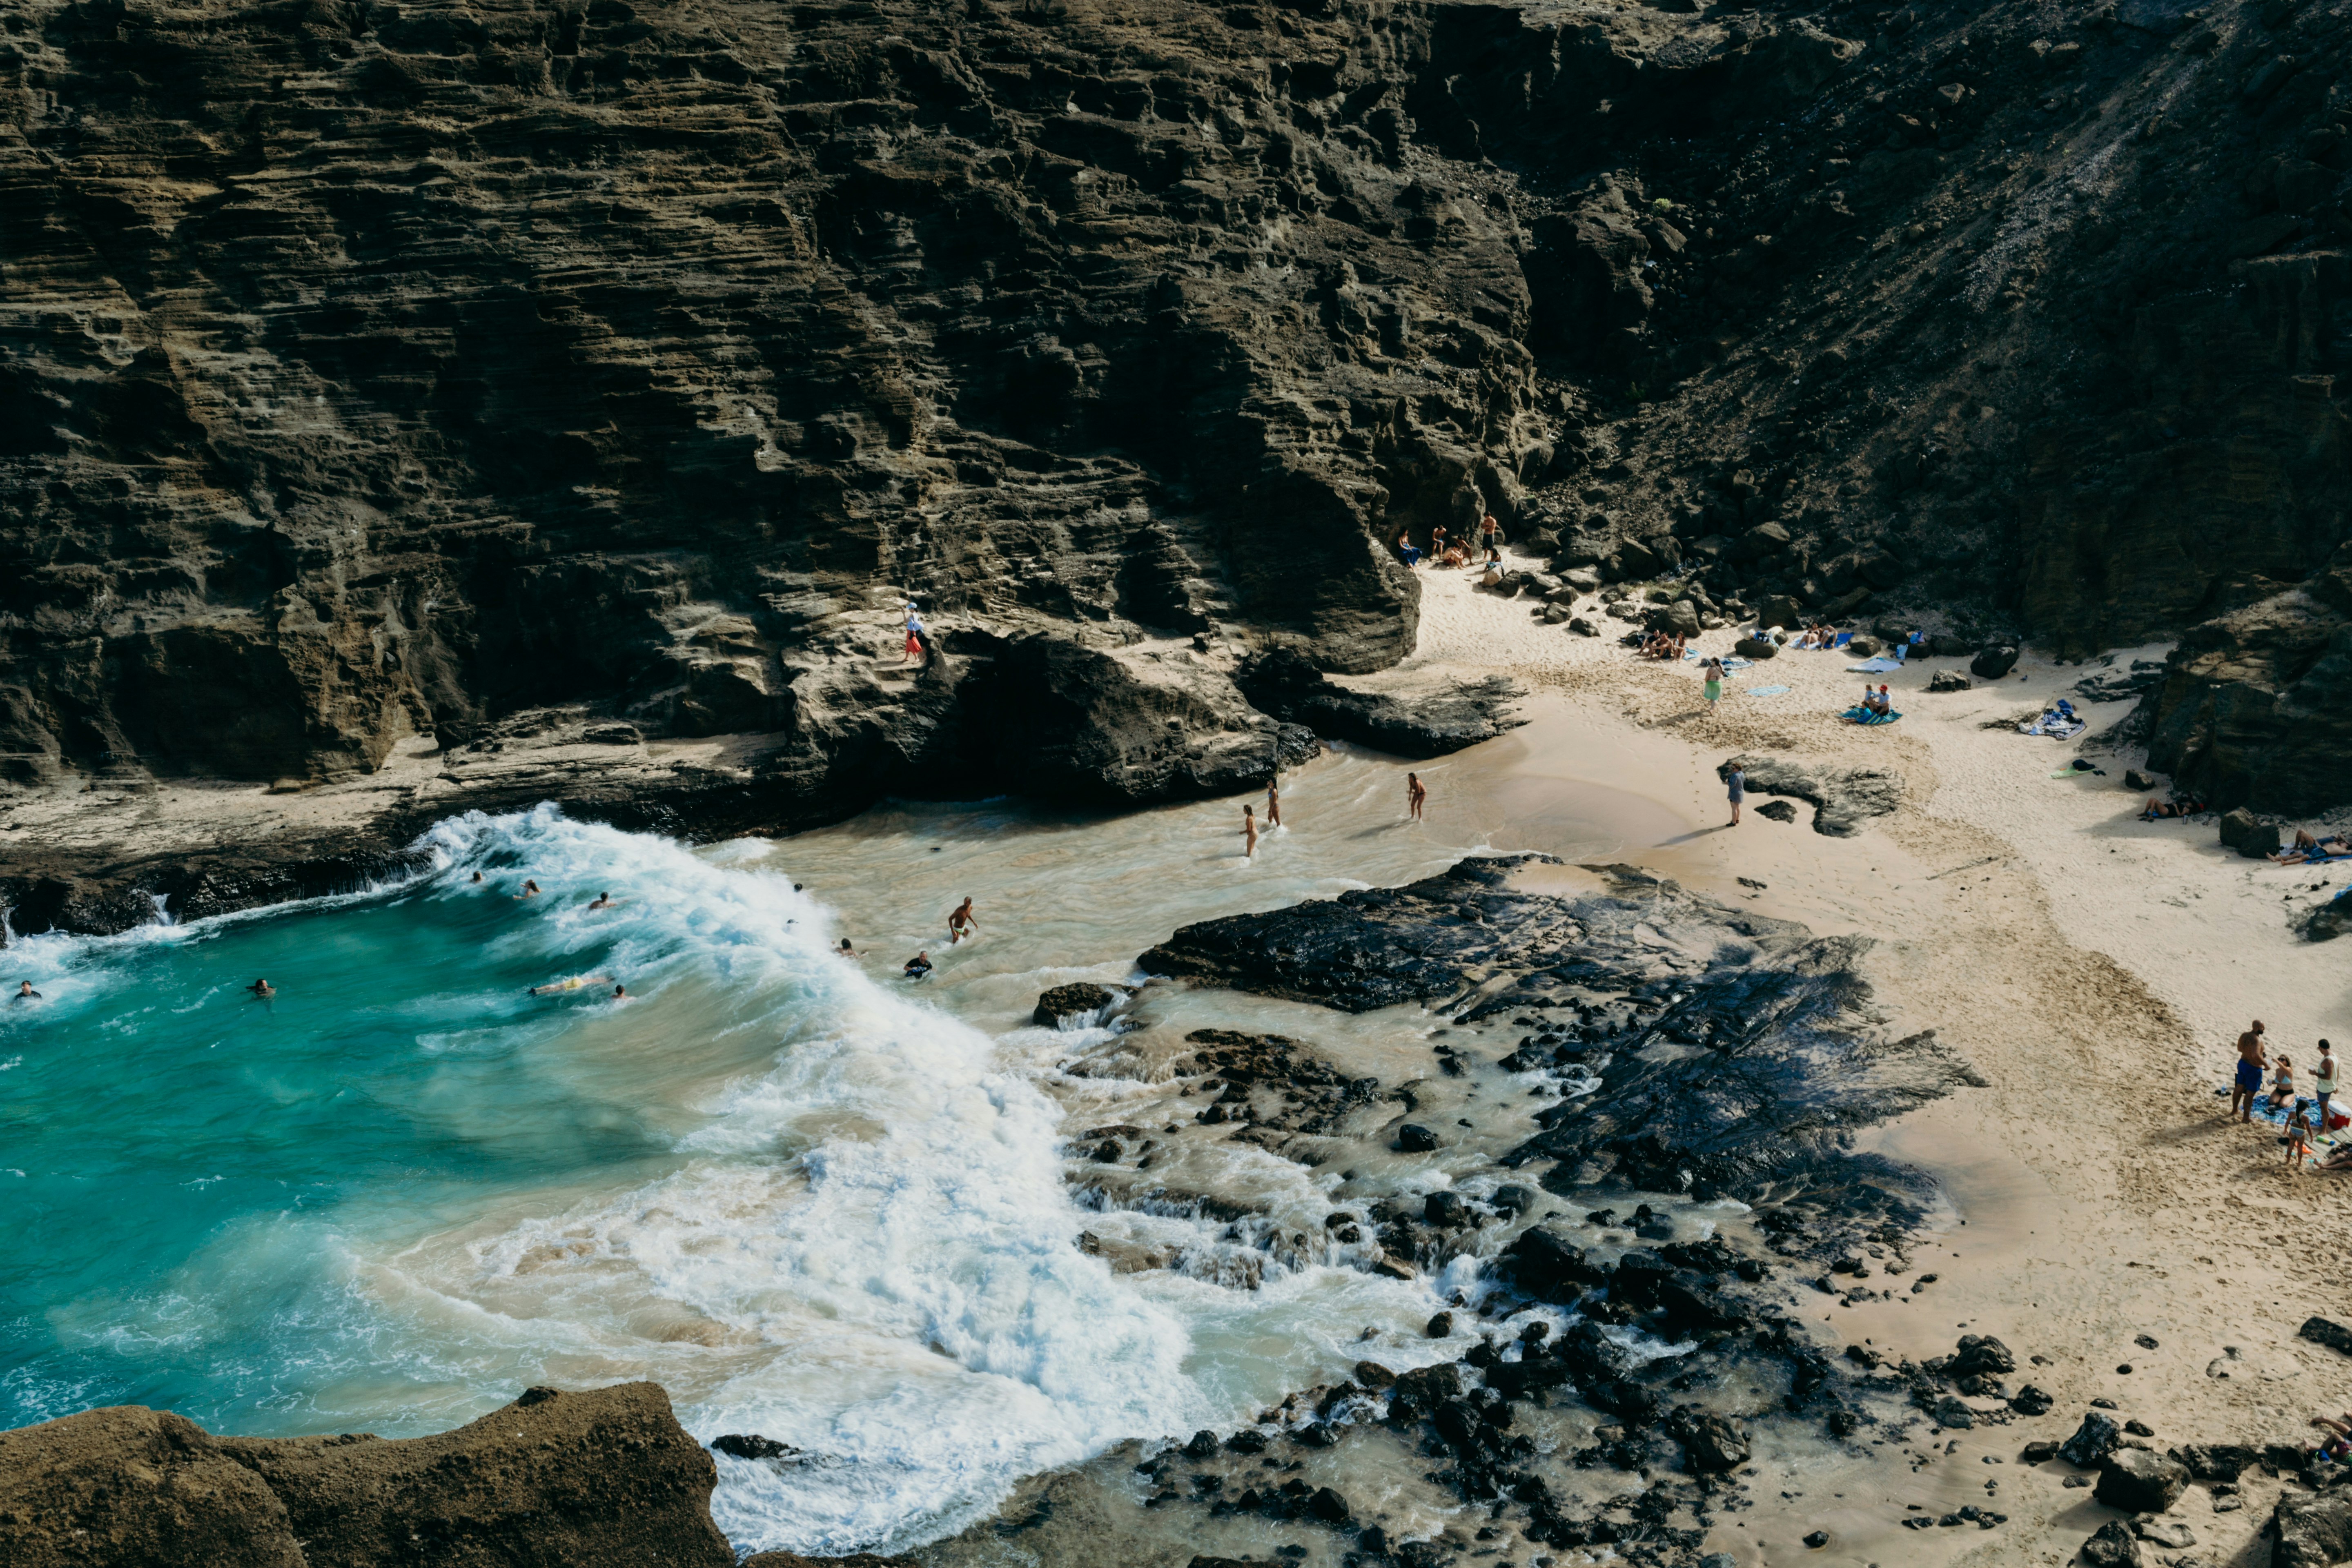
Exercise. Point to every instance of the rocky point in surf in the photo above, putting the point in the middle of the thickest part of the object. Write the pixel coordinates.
(554, 385)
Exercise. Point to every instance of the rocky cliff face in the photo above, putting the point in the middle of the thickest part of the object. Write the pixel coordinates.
(373, 371)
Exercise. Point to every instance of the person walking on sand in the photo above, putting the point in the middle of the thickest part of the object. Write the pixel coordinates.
(960, 924)
(1416, 796)
(1273, 804)
(2251, 1060)
(2322, 1086)
(1713, 670)
(1735, 783)
(1249, 834)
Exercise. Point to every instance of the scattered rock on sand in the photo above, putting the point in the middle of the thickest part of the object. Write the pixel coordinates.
(2138, 781)
(1713, 1444)
(2218, 1461)
(1977, 1354)
(1947, 680)
(2169, 1533)
(2031, 1401)
(1777, 810)
(2321, 1332)
(2112, 1547)
(1844, 798)
(1756, 647)
(2093, 1441)
(2139, 1480)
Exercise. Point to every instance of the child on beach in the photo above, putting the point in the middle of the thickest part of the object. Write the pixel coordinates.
(2298, 1139)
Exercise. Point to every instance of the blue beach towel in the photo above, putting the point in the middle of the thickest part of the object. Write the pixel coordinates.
(1864, 716)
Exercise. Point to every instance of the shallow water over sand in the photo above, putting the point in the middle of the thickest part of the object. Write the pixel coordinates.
(813, 1200)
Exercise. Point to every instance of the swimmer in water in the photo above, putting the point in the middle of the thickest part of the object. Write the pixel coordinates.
(621, 994)
(577, 983)
(960, 924)
(604, 901)
(919, 966)
(529, 890)
(844, 949)
(24, 992)
(477, 879)
(1249, 834)
(262, 988)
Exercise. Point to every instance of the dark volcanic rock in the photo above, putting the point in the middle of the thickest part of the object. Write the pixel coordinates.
(2218, 1461)
(2312, 1529)
(1979, 1353)
(2325, 1332)
(1078, 1000)
(2112, 1546)
(605, 1476)
(1288, 685)
(2093, 1441)
(2138, 1480)
(1776, 1013)
(1715, 1444)
(1992, 663)
(1844, 799)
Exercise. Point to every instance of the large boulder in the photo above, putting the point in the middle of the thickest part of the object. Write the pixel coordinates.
(1756, 647)
(2250, 836)
(2140, 1480)
(2218, 1461)
(1079, 1003)
(1547, 1267)
(1287, 684)
(2312, 1529)
(1992, 663)
(1846, 797)
(1780, 610)
(553, 1478)
(1947, 680)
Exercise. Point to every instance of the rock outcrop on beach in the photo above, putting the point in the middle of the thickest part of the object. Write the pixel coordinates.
(368, 375)
(554, 1478)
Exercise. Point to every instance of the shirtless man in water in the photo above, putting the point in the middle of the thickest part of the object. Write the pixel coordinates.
(960, 924)
(2251, 1060)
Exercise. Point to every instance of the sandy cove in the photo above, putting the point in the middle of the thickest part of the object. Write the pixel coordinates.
(2095, 969)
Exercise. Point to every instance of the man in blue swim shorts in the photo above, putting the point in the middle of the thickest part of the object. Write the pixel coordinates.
(2251, 1060)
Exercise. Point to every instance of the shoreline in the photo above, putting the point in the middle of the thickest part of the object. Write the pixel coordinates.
(2082, 1180)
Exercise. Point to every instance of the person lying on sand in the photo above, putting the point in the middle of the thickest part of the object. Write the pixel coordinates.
(2154, 811)
(2339, 1445)
(2338, 1160)
(2306, 847)
(577, 983)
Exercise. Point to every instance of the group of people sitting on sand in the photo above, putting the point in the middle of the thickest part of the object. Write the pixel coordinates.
(1460, 550)
(1663, 645)
(1877, 707)
(1816, 637)
(2188, 805)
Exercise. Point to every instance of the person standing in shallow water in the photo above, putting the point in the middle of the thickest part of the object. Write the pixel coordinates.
(960, 924)
(1272, 803)
(1416, 796)
(1249, 834)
